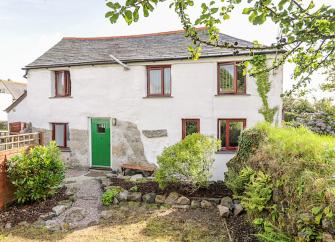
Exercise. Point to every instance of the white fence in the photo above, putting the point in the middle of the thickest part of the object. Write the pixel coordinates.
(8, 142)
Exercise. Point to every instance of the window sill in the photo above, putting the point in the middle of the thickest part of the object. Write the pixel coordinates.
(157, 97)
(232, 94)
(65, 149)
(61, 97)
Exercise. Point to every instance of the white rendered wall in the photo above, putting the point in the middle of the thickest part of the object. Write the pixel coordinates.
(5, 101)
(110, 91)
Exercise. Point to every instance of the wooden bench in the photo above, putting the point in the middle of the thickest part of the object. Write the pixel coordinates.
(145, 170)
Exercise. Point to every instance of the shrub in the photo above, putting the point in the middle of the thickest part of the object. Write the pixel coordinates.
(188, 161)
(288, 182)
(108, 197)
(3, 125)
(36, 174)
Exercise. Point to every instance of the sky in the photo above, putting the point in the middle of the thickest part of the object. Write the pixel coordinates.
(28, 28)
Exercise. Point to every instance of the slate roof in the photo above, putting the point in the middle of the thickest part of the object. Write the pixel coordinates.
(16, 89)
(71, 51)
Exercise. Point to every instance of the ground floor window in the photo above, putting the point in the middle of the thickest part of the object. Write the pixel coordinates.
(60, 134)
(190, 126)
(229, 131)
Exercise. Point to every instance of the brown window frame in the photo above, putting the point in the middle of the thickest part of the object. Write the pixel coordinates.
(228, 120)
(65, 133)
(161, 68)
(185, 120)
(235, 63)
(67, 83)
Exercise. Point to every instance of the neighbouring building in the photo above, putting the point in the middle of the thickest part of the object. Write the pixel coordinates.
(113, 100)
(9, 92)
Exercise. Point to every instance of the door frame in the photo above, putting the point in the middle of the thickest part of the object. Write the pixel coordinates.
(89, 123)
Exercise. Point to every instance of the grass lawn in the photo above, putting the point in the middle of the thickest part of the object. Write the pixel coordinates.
(134, 222)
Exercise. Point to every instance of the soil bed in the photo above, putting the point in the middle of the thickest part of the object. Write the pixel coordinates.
(17, 213)
(214, 190)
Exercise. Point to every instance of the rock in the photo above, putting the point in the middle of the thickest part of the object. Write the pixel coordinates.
(59, 209)
(149, 197)
(23, 224)
(70, 191)
(183, 201)
(206, 204)
(227, 202)
(134, 196)
(107, 214)
(172, 198)
(155, 133)
(66, 203)
(52, 225)
(326, 237)
(111, 175)
(195, 204)
(136, 177)
(160, 199)
(179, 206)
(115, 201)
(39, 223)
(123, 196)
(8, 226)
(47, 216)
(238, 209)
(75, 215)
(105, 182)
(223, 211)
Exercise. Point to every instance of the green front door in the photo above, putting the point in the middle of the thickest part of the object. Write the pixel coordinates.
(100, 137)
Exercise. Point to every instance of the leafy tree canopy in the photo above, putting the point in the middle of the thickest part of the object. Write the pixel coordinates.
(307, 31)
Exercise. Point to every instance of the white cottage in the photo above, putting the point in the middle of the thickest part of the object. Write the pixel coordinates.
(113, 100)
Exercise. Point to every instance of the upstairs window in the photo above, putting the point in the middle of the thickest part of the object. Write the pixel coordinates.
(190, 126)
(60, 134)
(231, 79)
(229, 132)
(159, 81)
(62, 84)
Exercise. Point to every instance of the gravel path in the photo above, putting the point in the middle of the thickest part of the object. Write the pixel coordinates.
(85, 210)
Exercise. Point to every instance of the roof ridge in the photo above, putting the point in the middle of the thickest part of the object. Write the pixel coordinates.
(131, 36)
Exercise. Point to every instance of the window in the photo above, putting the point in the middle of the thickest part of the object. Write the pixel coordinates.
(231, 79)
(101, 128)
(159, 81)
(60, 134)
(229, 131)
(2, 90)
(62, 84)
(190, 126)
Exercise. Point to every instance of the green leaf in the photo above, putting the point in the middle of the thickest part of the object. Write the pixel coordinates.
(247, 10)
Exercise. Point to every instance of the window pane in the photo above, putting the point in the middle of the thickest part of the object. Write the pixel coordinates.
(167, 81)
(227, 73)
(223, 124)
(155, 82)
(191, 127)
(101, 128)
(59, 134)
(60, 83)
(235, 129)
(240, 80)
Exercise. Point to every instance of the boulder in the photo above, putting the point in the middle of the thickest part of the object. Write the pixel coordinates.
(123, 196)
(59, 209)
(223, 211)
(160, 199)
(52, 225)
(105, 182)
(8, 226)
(47, 216)
(149, 197)
(136, 177)
(227, 202)
(66, 203)
(183, 201)
(179, 206)
(238, 209)
(206, 204)
(75, 215)
(115, 201)
(172, 198)
(106, 214)
(23, 224)
(135, 196)
(195, 204)
(111, 175)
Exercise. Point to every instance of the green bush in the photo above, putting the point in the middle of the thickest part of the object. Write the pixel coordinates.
(188, 161)
(108, 196)
(36, 174)
(288, 182)
(3, 125)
